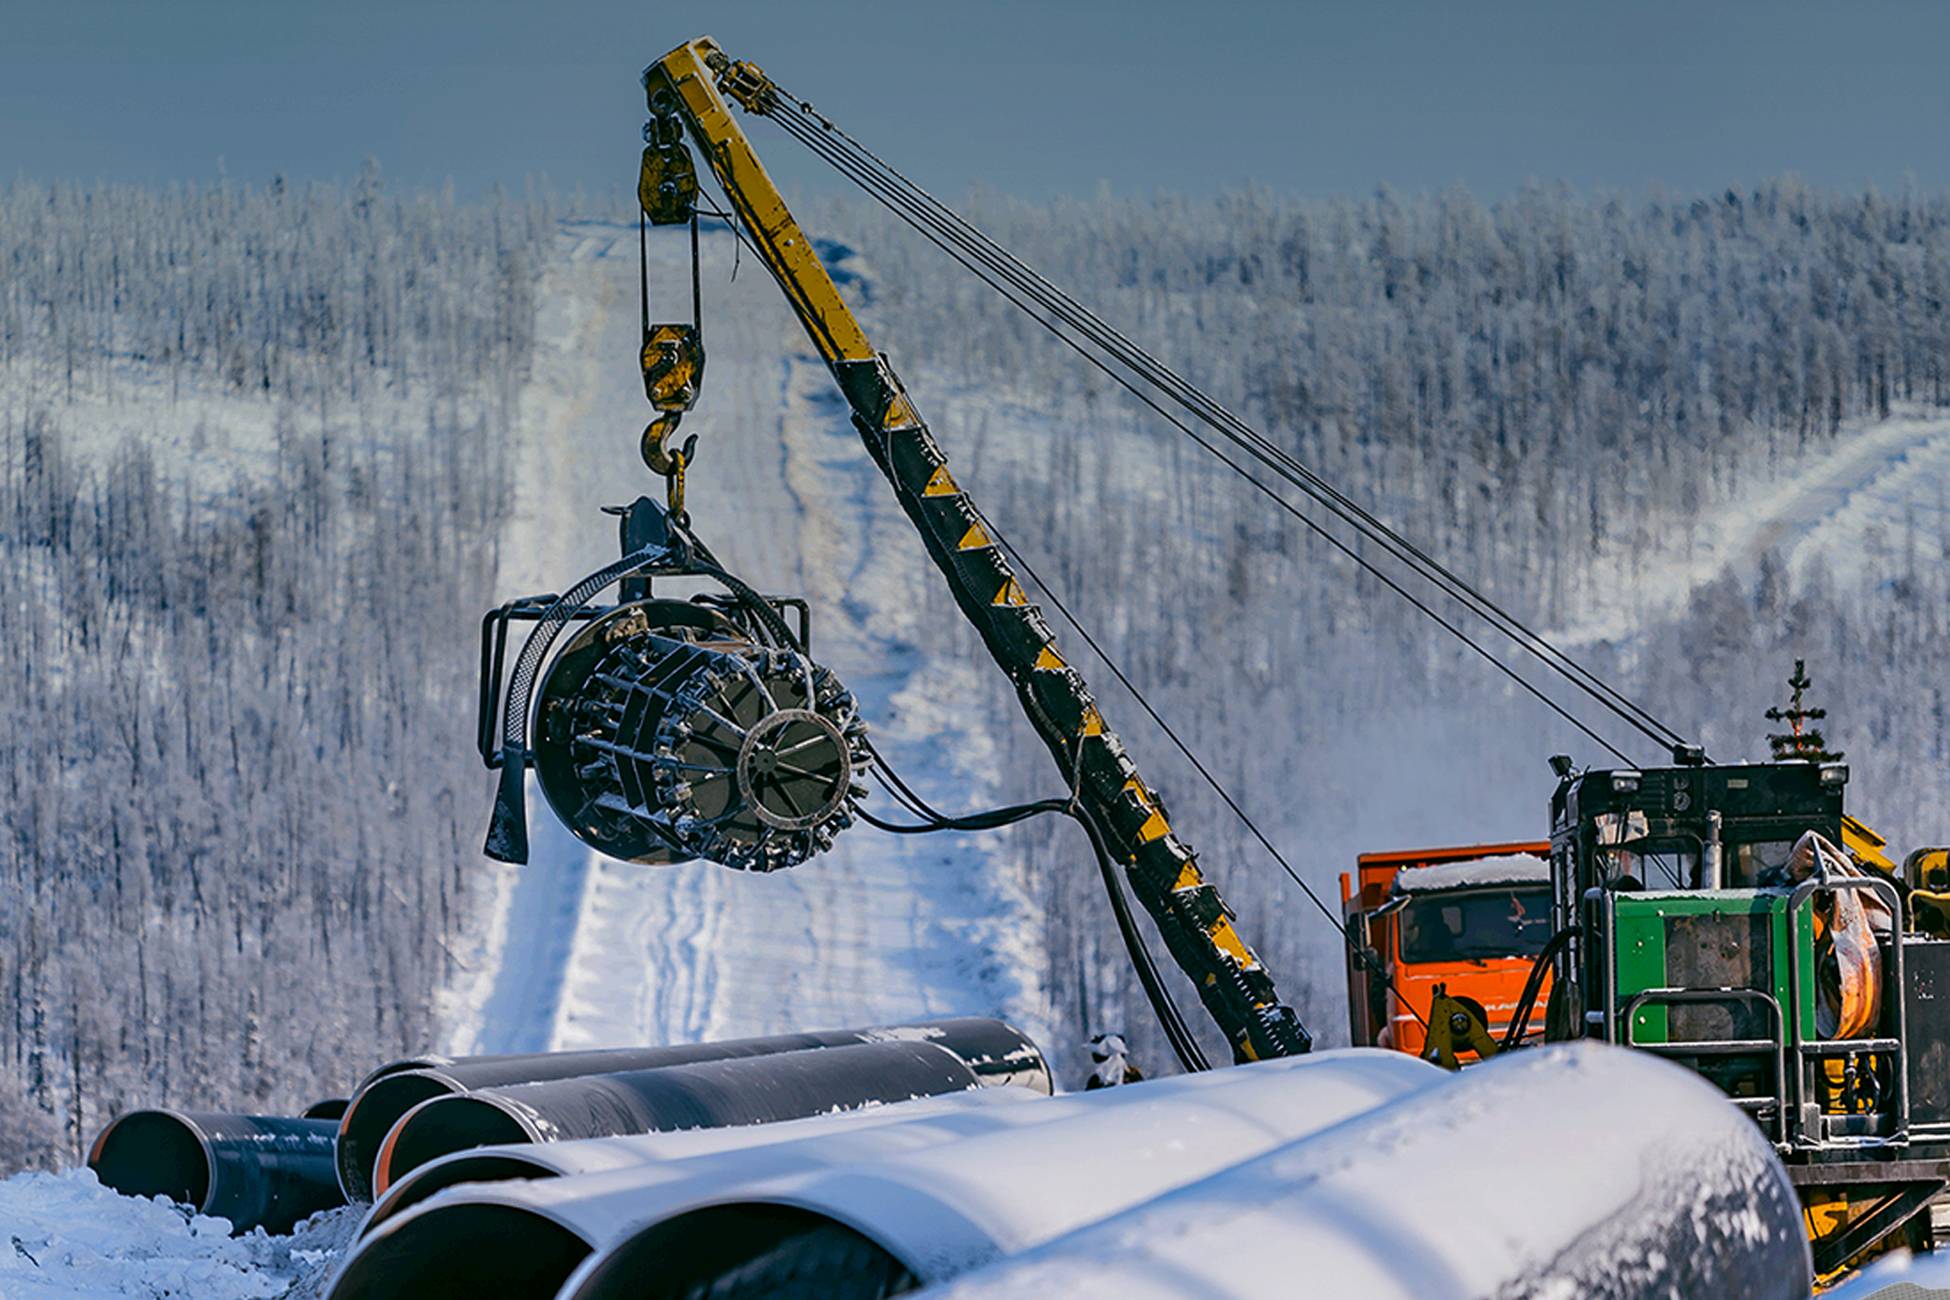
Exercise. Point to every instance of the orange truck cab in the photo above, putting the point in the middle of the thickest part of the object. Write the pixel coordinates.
(1471, 918)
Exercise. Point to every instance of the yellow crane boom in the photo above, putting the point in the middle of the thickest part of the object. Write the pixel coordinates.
(695, 85)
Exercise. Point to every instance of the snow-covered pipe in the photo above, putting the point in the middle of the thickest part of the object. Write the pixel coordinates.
(994, 1050)
(257, 1171)
(602, 1155)
(1579, 1170)
(982, 1182)
(703, 1095)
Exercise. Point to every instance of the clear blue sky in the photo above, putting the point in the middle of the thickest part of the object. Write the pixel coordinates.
(1031, 97)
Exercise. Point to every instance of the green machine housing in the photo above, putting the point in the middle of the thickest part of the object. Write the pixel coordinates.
(1687, 937)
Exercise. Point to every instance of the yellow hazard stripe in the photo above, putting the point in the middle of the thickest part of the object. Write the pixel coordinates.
(1227, 940)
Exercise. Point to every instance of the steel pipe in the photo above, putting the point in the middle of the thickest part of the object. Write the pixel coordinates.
(967, 1173)
(572, 1158)
(704, 1095)
(995, 1051)
(1581, 1170)
(257, 1171)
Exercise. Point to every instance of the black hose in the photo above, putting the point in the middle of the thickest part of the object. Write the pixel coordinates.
(1520, 1018)
(985, 821)
(1175, 1029)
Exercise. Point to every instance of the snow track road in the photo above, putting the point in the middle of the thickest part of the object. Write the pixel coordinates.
(581, 951)
(1881, 490)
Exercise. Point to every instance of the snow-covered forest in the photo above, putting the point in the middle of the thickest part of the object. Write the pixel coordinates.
(250, 465)
(254, 456)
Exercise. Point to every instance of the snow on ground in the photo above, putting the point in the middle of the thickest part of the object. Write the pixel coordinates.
(583, 951)
(70, 1238)
(1899, 1276)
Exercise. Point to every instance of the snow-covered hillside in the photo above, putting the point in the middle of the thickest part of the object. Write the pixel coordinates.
(882, 927)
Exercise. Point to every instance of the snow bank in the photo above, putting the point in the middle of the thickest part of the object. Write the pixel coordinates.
(73, 1239)
(1898, 1276)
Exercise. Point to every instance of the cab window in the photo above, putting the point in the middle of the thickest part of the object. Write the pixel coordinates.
(1479, 925)
(1761, 863)
(1650, 864)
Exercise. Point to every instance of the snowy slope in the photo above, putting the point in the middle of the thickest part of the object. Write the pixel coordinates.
(73, 1239)
(587, 952)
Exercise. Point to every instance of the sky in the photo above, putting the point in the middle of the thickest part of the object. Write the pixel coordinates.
(1029, 97)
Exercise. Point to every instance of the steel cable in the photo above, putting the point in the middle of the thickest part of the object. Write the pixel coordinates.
(991, 263)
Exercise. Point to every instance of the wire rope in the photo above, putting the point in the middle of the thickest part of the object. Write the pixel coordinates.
(991, 263)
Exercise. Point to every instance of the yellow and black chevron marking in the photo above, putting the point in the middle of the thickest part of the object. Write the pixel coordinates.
(1194, 921)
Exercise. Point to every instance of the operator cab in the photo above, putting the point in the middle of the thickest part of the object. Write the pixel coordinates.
(1689, 828)
(1471, 920)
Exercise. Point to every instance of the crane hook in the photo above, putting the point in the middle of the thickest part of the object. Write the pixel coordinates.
(669, 462)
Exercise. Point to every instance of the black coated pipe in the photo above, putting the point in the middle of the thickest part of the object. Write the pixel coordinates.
(996, 1052)
(773, 1249)
(257, 1171)
(707, 1094)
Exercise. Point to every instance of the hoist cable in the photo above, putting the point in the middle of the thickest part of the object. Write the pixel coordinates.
(932, 218)
(643, 272)
(1171, 734)
(1311, 524)
(1177, 1032)
(968, 246)
(1288, 469)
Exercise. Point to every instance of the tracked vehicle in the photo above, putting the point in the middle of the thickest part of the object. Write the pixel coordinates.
(1693, 921)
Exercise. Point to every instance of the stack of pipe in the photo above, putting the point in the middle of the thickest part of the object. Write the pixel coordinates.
(1576, 1170)
(571, 1159)
(1581, 1170)
(952, 1186)
(560, 1095)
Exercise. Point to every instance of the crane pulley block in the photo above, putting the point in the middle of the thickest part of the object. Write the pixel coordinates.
(747, 83)
(673, 366)
(667, 184)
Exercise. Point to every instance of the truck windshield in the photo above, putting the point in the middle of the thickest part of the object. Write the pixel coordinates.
(1479, 924)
